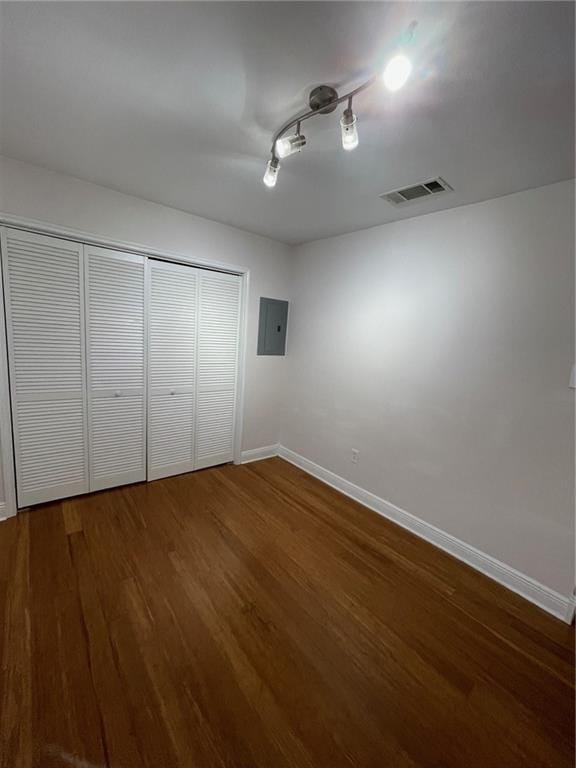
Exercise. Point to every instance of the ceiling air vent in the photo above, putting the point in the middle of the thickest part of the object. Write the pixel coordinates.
(416, 192)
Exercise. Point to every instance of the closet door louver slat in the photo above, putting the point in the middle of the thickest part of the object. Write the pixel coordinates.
(45, 329)
(218, 342)
(116, 367)
(173, 308)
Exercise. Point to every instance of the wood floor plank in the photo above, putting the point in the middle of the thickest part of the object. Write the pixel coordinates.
(72, 516)
(115, 714)
(15, 674)
(66, 722)
(249, 617)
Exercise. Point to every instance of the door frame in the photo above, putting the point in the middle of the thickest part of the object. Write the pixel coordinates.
(8, 507)
(88, 238)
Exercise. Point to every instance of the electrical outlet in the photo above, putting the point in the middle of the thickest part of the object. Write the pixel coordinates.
(355, 455)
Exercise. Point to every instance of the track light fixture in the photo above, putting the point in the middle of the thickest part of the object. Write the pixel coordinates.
(323, 100)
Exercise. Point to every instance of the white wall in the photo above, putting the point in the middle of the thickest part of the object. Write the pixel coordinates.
(441, 348)
(34, 193)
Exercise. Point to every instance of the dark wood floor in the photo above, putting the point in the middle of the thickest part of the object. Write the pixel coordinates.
(253, 617)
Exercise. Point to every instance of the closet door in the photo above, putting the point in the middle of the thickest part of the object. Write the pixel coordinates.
(172, 330)
(218, 342)
(116, 376)
(45, 329)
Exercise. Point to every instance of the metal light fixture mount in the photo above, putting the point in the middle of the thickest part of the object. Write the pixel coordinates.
(323, 99)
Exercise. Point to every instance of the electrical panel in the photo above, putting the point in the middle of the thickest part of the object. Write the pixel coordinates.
(272, 327)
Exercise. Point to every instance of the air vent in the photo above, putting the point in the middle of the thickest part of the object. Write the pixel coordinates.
(416, 192)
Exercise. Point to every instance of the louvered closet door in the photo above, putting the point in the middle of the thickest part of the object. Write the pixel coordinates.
(45, 327)
(173, 308)
(218, 341)
(116, 375)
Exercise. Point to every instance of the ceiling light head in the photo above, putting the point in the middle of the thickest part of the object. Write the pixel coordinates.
(397, 72)
(271, 175)
(349, 130)
(289, 145)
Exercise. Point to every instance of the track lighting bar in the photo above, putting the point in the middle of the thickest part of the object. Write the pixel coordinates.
(323, 100)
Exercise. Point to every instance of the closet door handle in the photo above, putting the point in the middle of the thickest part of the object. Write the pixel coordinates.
(172, 392)
(117, 393)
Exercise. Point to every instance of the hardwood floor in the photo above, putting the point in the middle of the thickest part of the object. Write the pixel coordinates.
(252, 617)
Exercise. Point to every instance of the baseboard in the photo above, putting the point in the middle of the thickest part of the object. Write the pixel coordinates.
(257, 454)
(558, 605)
(7, 510)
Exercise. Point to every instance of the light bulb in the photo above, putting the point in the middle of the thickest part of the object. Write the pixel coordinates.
(288, 145)
(349, 130)
(271, 175)
(397, 72)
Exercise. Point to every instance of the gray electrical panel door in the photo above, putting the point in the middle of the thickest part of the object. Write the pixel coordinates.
(272, 327)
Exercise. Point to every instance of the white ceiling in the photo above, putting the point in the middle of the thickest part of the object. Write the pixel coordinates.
(176, 103)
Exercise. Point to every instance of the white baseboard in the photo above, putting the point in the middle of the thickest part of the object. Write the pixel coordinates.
(558, 605)
(257, 454)
(7, 510)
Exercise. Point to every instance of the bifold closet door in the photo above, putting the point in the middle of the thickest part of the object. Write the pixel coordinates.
(116, 371)
(172, 345)
(218, 345)
(45, 329)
